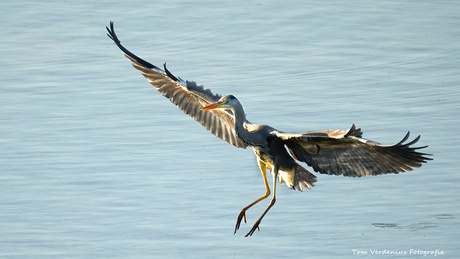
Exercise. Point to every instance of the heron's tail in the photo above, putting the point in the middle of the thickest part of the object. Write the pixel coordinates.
(297, 177)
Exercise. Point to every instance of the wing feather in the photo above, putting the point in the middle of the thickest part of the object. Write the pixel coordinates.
(348, 154)
(186, 95)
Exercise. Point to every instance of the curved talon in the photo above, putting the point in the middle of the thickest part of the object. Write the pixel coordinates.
(242, 216)
(253, 229)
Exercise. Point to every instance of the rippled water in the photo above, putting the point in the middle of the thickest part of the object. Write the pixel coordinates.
(95, 164)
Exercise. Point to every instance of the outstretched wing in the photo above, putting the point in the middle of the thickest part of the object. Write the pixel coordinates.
(186, 95)
(347, 153)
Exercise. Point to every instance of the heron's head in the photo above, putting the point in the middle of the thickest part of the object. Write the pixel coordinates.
(228, 102)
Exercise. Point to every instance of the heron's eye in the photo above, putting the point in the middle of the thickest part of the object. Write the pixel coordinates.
(225, 102)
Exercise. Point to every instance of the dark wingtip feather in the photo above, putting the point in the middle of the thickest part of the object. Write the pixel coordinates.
(354, 132)
(112, 35)
(404, 139)
(170, 74)
(111, 32)
(414, 141)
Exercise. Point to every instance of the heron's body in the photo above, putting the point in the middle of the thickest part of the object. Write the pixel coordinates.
(328, 152)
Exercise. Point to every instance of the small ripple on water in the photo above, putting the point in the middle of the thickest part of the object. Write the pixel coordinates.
(384, 225)
(444, 216)
(416, 226)
(412, 227)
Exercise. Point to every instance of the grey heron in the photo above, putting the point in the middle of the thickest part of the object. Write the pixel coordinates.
(327, 152)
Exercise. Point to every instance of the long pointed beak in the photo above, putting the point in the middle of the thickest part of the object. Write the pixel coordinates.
(212, 106)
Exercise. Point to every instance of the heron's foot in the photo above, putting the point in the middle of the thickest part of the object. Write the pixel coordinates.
(253, 229)
(241, 217)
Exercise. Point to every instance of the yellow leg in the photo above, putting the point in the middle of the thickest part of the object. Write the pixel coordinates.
(242, 216)
(272, 202)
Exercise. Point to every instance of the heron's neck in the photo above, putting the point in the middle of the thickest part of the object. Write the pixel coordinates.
(240, 117)
(239, 125)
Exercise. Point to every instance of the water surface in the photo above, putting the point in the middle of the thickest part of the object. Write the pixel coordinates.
(94, 163)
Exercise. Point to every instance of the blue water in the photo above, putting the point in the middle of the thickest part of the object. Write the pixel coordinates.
(95, 164)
